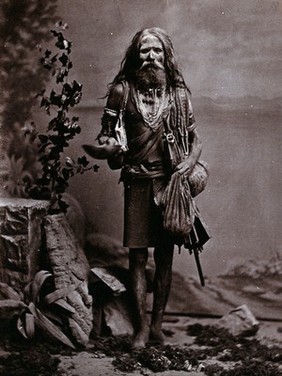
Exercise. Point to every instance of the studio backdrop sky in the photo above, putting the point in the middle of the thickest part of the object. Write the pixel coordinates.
(224, 47)
(230, 53)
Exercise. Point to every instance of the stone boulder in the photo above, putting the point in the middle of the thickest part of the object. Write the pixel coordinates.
(239, 321)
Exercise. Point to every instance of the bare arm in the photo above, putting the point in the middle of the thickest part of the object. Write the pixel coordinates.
(110, 115)
(195, 149)
(106, 145)
(109, 120)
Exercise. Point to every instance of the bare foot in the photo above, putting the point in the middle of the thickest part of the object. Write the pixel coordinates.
(156, 337)
(141, 339)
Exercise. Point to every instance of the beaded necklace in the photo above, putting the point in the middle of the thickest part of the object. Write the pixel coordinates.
(151, 104)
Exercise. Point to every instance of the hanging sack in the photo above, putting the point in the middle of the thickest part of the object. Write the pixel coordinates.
(181, 217)
(198, 178)
(178, 208)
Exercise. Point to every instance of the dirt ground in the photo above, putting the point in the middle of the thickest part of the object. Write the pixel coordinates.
(87, 363)
(108, 356)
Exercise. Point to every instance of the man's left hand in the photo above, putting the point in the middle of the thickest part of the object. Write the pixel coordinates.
(185, 167)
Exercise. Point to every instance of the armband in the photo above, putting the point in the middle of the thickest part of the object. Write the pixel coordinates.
(108, 121)
(110, 112)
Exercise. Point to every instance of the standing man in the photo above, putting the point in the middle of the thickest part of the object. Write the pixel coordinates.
(147, 97)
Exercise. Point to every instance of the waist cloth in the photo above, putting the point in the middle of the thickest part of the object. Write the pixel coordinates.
(143, 220)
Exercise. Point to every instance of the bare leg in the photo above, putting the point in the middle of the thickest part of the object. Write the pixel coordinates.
(163, 260)
(137, 262)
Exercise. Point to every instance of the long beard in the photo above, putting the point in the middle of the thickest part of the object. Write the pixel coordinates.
(150, 77)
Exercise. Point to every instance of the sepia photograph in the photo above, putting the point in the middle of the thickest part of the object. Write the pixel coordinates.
(140, 187)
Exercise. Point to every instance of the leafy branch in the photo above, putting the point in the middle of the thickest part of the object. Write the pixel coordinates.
(61, 129)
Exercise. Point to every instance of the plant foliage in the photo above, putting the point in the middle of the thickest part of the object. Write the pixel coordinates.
(55, 166)
(38, 308)
(36, 169)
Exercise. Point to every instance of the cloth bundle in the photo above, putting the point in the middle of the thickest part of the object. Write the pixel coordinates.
(181, 216)
(198, 178)
(178, 207)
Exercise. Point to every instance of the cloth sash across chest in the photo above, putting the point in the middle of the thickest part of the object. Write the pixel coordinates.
(145, 145)
(145, 157)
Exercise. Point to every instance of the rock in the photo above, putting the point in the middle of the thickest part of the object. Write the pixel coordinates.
(76, 218)
(272, 296)
(239, 321)
(71, 271)
(255, 268)
(107, 277)
(252, 289)
(117, 316)
(104, 251)
(109, 261)
(20, 240)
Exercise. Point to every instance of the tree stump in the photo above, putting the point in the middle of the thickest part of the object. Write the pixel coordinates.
(71, 272)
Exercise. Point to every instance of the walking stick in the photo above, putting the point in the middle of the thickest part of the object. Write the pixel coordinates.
(196, 250)
(199, 267)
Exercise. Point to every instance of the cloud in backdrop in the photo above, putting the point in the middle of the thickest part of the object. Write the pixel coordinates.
(224, 47)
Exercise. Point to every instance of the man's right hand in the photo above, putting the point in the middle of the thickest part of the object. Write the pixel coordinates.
(105, 150)
(105, 140)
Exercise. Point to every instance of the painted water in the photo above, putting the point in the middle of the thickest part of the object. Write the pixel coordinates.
(242, 202)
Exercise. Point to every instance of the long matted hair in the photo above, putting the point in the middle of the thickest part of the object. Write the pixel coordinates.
(131, 60)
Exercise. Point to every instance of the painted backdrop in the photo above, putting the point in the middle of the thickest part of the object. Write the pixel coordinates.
(230, 54)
